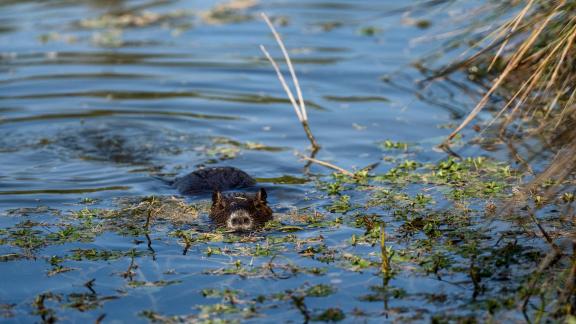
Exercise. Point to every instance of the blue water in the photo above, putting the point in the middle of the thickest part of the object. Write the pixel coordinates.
(94, 113)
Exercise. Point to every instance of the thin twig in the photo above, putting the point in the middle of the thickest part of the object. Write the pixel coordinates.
(300, 106)
(129, 274)
(90, 285)
(328, 165)
(385, 267)
(150, 248)
(549, 260)
(515, 22)
(547, 237)
(284, 84)
(290, 66)
(298, 302)
(570, 286)
(310, 136)
(313, 153)
(100, 319)
(149, 215)
(187, 243)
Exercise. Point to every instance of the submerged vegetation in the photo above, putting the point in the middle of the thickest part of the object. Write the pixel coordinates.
(493, 267)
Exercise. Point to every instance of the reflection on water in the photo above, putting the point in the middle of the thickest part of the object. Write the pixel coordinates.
(94, 103)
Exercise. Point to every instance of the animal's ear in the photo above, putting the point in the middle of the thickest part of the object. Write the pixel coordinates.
(216, 197)
(261, 196)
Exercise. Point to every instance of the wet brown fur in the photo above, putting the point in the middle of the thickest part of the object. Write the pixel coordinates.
(255, 205)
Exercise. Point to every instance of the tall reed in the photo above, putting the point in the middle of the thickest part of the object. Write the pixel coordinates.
(300, 105)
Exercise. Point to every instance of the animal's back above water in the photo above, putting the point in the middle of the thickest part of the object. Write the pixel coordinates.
(212, 179)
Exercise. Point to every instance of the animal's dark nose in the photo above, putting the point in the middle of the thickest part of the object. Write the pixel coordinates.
(240, 221)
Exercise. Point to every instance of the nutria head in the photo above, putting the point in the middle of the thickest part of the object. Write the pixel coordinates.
(240, 211)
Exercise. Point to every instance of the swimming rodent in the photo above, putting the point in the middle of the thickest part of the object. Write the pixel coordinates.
(240, 211)
(212, 179)
(234, 211)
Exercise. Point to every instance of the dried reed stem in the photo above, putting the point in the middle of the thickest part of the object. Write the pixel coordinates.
(570, 286)
(290, 66)
(512, 64)
(300, 106)
(384, 253)
(327, 164)
(315, 146)
(515, 22)
(284, 84)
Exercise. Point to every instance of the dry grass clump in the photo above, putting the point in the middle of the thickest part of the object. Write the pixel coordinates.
(157, 208)
(531, 58)
(536, 54)
(232, 11)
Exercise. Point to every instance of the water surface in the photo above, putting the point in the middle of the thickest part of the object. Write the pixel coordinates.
(95, 107)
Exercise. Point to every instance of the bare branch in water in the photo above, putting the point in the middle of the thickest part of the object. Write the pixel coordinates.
(290, 66)
(284, 84)
(300, 106)
(327, 164)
